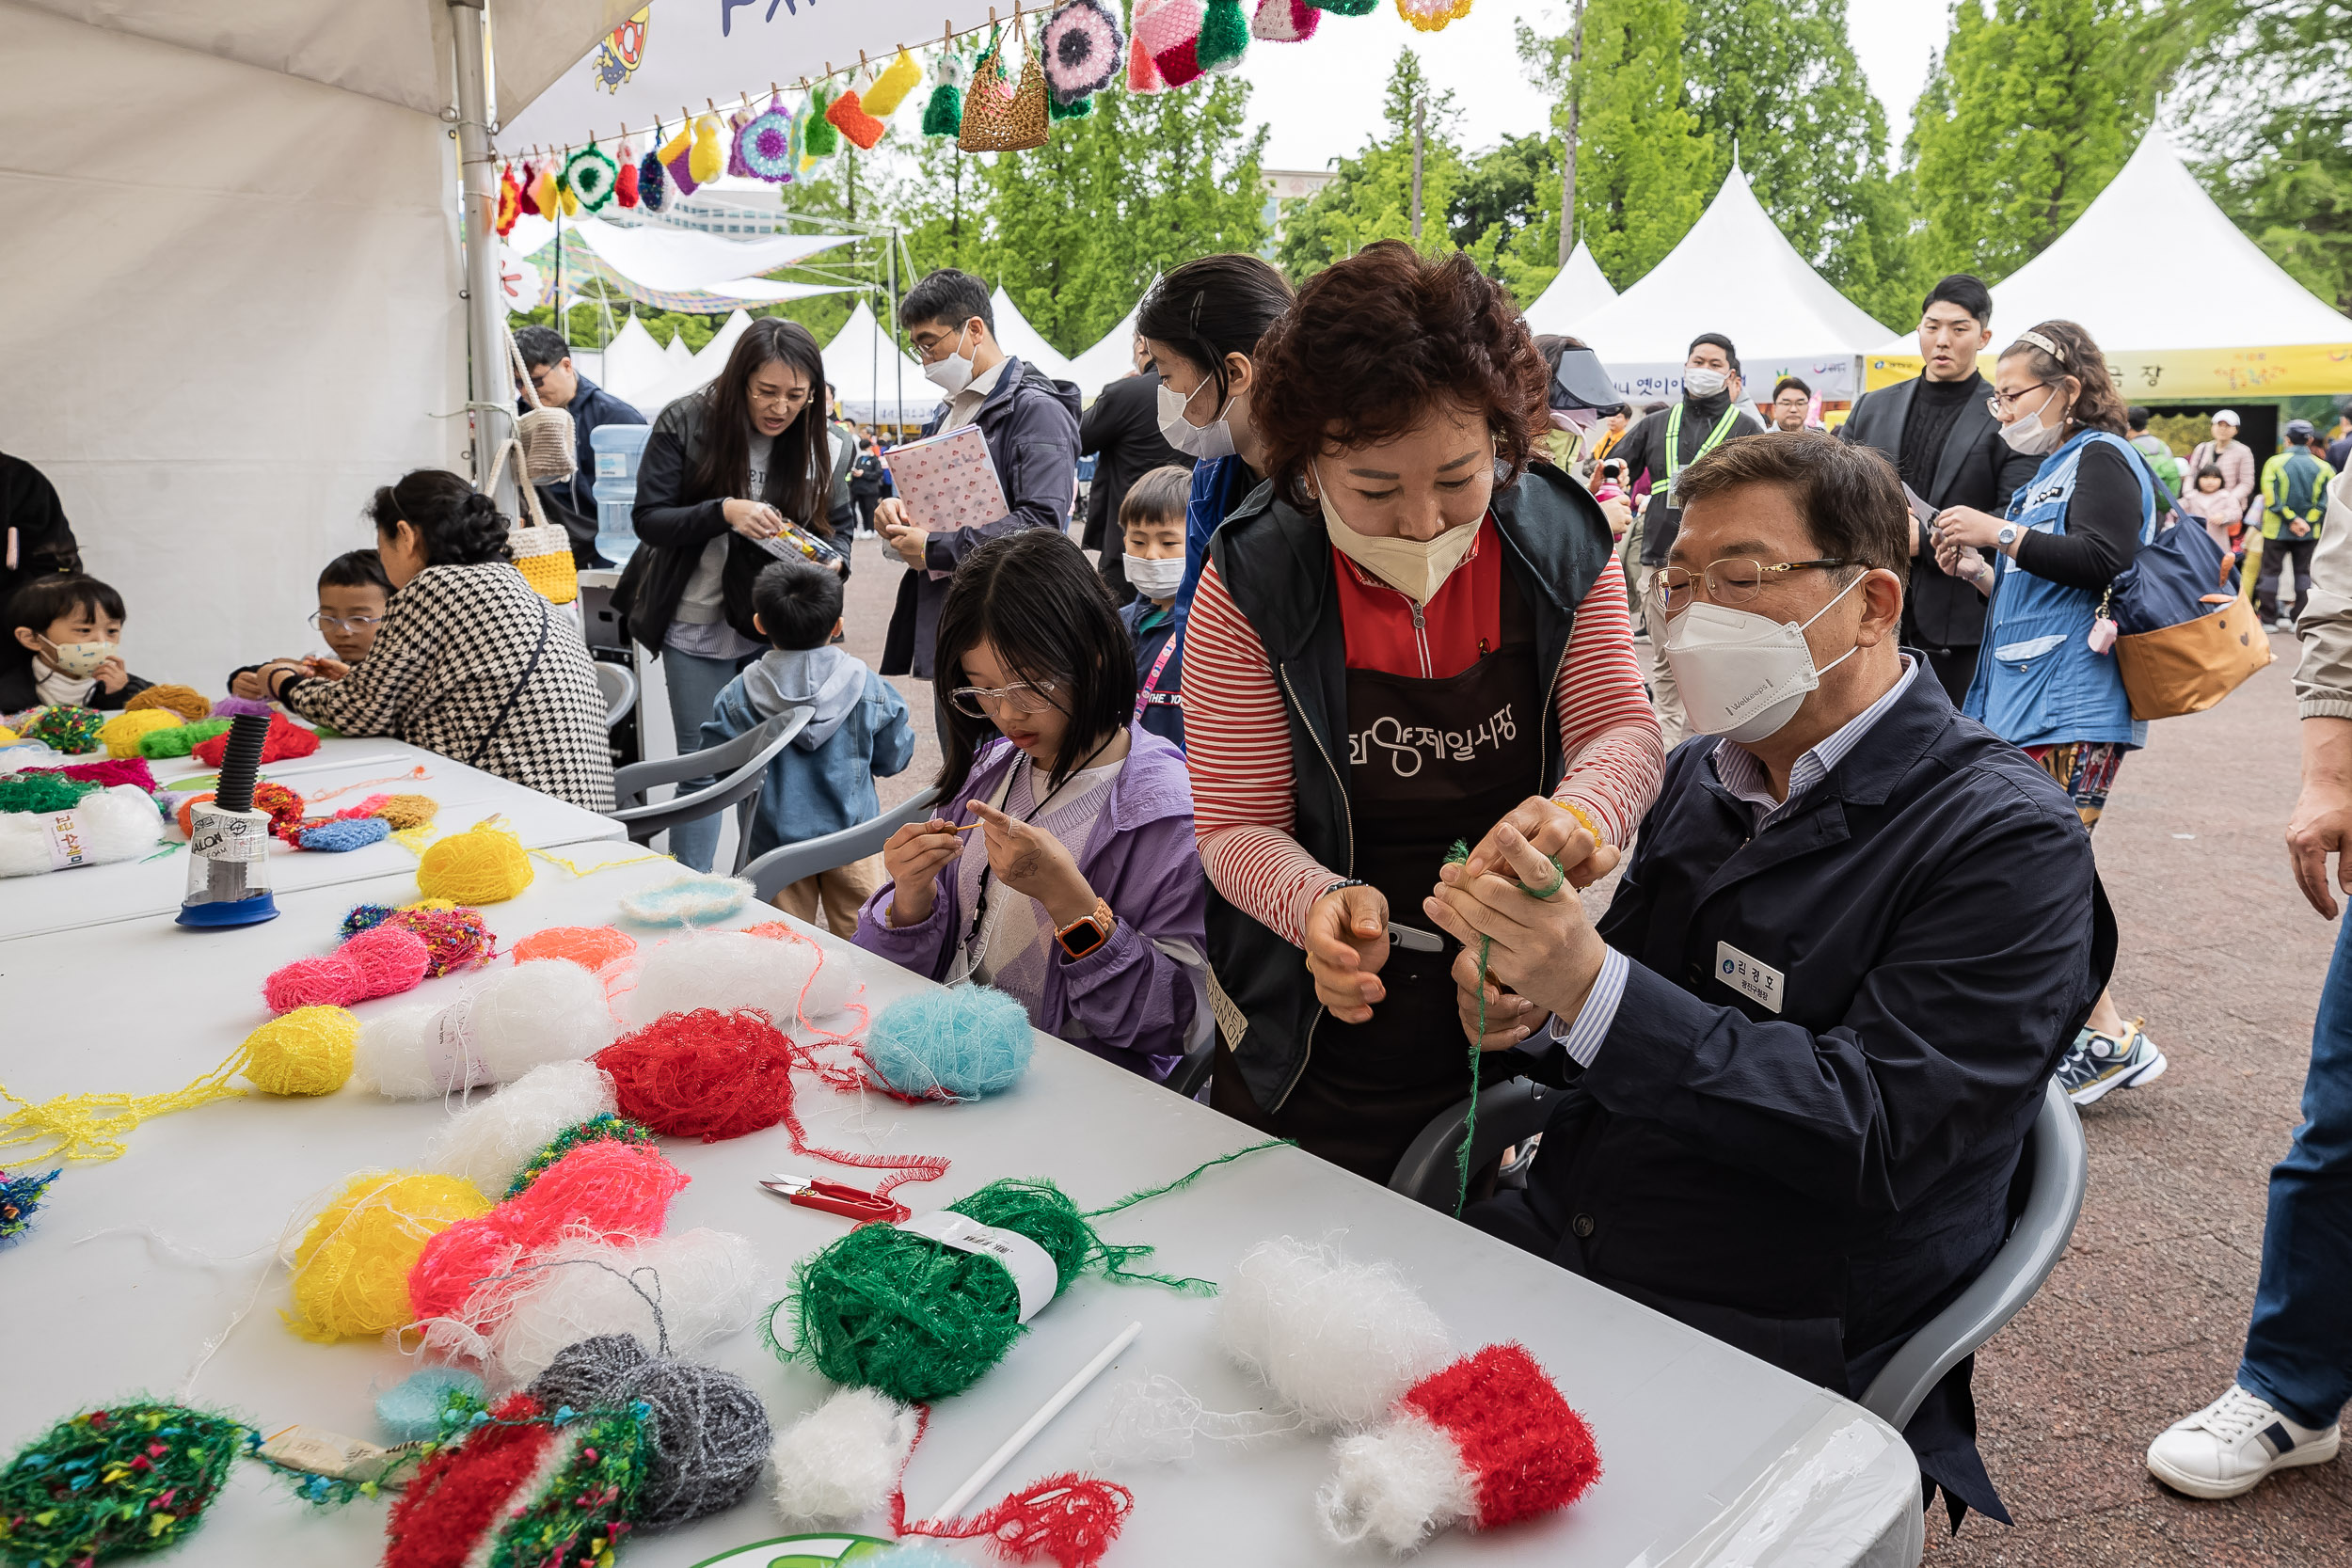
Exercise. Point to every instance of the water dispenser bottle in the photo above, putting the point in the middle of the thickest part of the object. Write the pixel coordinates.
(617, 448)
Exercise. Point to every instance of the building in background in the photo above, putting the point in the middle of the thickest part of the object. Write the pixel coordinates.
(1285, 188)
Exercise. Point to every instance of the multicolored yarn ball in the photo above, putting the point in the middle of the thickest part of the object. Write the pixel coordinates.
(122, 734)
(184, 701)
(695, 900)
(1484, 1442)
(341, 836)
(956, 1043)
(528, 1488)
(230, 707)
(130, 1480)
(543, 1011)
(20, 1200)
(285, 739)
(36, 790)
(702, 1074)
(605, 1125)
(484, 865)
(383, 963)
(365, 917)
(101, 827)
(605, 1188)
(493, 1141)
(106, 774)
(306, 1052)
(70, 729)
(351, 1267)
(598, 950)
(708, 1436)
(681, 1292)
(455, 940)
(180, 741)
(416, 1408)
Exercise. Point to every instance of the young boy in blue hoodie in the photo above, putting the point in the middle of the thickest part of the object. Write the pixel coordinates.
(824, 781)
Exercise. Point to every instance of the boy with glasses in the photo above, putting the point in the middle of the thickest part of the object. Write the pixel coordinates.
(354, 595)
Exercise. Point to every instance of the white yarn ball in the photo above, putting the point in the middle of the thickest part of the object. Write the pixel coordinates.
(842, 1460)
(833, 987)
(725, 970)
(1336, 1340)
(490, 1142)
(541, 1010)
(116, 823)
(1397, 1485)
(708, 1283)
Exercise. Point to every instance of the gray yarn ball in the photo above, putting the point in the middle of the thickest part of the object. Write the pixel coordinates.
(710, 1433)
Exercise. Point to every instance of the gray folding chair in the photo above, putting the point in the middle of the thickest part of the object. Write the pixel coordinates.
(1508, 1113)
(2045, 1197)
(741, 765)
(786, 864)
(618, 683)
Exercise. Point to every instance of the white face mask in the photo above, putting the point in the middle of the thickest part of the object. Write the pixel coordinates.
(1700, 382)
(1744, 675)
(1156, 579)
(79, 661)
(952, 374)
(1416, 568)
(2031, 436)
(1206, 441)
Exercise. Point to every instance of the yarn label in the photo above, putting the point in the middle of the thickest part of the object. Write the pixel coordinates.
(228, 835)
(1031, 1266)
(67, 843)
(330, 1453)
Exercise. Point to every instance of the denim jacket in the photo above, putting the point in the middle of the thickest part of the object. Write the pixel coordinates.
(824, 781)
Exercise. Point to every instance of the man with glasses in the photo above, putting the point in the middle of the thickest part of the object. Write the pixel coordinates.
(571, 502)
(1804, 1048)
(1945, 444)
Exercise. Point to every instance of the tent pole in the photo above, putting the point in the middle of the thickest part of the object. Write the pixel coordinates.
(491, 382)
(898, 361)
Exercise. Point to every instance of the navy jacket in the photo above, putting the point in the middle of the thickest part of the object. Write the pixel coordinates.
(1165, 720)
(1812, 1184)
(572, 501)
(1030, 424)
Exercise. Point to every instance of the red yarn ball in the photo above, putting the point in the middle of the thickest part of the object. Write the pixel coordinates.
(466, 1490)
(379, 962)
(704, 1074)
(286, 738)
(1531, 1452)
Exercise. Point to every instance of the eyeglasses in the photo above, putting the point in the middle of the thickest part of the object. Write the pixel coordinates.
(1734, 582)
(974, 702)
(1999, 404)
(322, 620)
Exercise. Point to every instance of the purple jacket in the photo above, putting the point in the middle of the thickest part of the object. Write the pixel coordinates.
(1127, 1001)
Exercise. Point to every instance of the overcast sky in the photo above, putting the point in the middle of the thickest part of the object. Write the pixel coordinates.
(1323, 97)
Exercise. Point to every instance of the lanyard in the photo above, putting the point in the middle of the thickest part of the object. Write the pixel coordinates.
(1674, 441)
(979, 901)
(1151, 693)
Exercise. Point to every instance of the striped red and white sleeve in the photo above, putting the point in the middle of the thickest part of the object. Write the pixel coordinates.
(1237, 744)
(1615, 752)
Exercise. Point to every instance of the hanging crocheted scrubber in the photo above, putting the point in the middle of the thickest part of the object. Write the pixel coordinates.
(850, 117)
(653, 181)
(1170, 32)
(588, 176)
(1284, 20)
(1433, 16)
(1084, 50)
(1345, 8)
(1224, 35)
(942, 116)
(765, 144)
(889, 88)
(526, 201)
(819, 136)
(709, 157)
(546, 192)
(676, 157)
(510, 208)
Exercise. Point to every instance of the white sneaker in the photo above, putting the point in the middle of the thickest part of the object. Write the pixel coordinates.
(2231, 1444)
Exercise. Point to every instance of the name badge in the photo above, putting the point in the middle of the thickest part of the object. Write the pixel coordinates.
(1757, 982)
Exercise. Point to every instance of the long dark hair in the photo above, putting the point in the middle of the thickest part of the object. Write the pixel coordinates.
(458, 525)
(800, 469)
(1213, 307)
(1032, 597)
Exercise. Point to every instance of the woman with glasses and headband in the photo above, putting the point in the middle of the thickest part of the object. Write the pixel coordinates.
(731, 475)
(1060, 868)
(2047, 679)
(1413, 632)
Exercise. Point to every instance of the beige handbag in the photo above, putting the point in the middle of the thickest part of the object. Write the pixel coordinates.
(542, 550)
(550, 449)
(997, 117)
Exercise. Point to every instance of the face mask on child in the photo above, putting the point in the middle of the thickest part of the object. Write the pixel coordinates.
(1156, 579)
(79, 661)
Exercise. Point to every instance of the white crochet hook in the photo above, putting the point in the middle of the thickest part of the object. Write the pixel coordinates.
(963, 1495)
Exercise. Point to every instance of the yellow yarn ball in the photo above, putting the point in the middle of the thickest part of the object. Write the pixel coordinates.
(120, 733)
(8, 736)
(404, 812)
(484, 865)
(351, 1268)
(304, 1051)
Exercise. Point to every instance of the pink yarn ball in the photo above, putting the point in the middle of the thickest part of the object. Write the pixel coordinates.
(384, 961)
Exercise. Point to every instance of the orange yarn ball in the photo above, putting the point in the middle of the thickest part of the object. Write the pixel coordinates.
(595, 948)
(185, 700)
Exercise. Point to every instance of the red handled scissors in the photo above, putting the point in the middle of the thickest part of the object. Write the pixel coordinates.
(832, 1198)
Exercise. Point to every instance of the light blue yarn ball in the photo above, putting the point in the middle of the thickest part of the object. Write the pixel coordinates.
(412, 1410)
(960, 1043)
(917, 1554)
(350, 833)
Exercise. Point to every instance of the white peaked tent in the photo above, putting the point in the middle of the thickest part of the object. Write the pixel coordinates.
(1021, 340)
(634, 365)
(1572, 297)
(1109, 359)
(1734, 272)
(872, 376)
(2181, 303)
(677, 353)
(711, 357)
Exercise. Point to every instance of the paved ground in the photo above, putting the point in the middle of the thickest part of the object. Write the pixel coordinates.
(2143, 1320)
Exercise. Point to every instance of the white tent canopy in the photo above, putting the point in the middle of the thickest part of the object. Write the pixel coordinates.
(677, 259)
(1107, 360)
(1736, 274)
(872, 376)
(1573, 295)
(1023, 341)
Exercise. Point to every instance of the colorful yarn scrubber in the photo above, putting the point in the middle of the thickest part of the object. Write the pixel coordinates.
(1284, 20)
(382, 962)
(954, 1043)
(341, 836)
(185, 700)
(850, 117)
(453, 938)
(1084, 47)
(70, 729)
(513, 1020)
(1433, 16)
(106, 1484)
(351, 1267)
(122, 734)
(764, 144)
(306, 1052)
(20, 1200)
(97, 828)
(484, 865)
(530, 1485)
(1484, 1442)
(943, 113)
(286, 738)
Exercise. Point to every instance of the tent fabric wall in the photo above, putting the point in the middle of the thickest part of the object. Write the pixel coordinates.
(225, 337)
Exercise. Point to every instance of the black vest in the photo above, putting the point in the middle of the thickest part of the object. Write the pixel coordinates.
(1276, 563)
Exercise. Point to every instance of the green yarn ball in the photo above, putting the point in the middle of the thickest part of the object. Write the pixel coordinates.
(943, 115)
(180, 739)
(95, 1486)
(41, 792)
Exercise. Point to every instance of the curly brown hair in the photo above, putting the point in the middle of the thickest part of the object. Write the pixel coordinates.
(1379, 339)
(2098, 406)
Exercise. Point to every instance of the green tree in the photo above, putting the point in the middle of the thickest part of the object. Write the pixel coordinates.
(1776, 82)
(2029, 113)
(1642, 158)
(1373, 196)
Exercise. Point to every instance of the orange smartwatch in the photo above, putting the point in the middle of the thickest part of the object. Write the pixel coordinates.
(1088, 932)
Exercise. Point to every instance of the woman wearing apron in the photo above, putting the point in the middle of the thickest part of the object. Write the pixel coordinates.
(1408, 635)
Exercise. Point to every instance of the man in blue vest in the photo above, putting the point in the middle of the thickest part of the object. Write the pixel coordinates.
(2294, 502)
